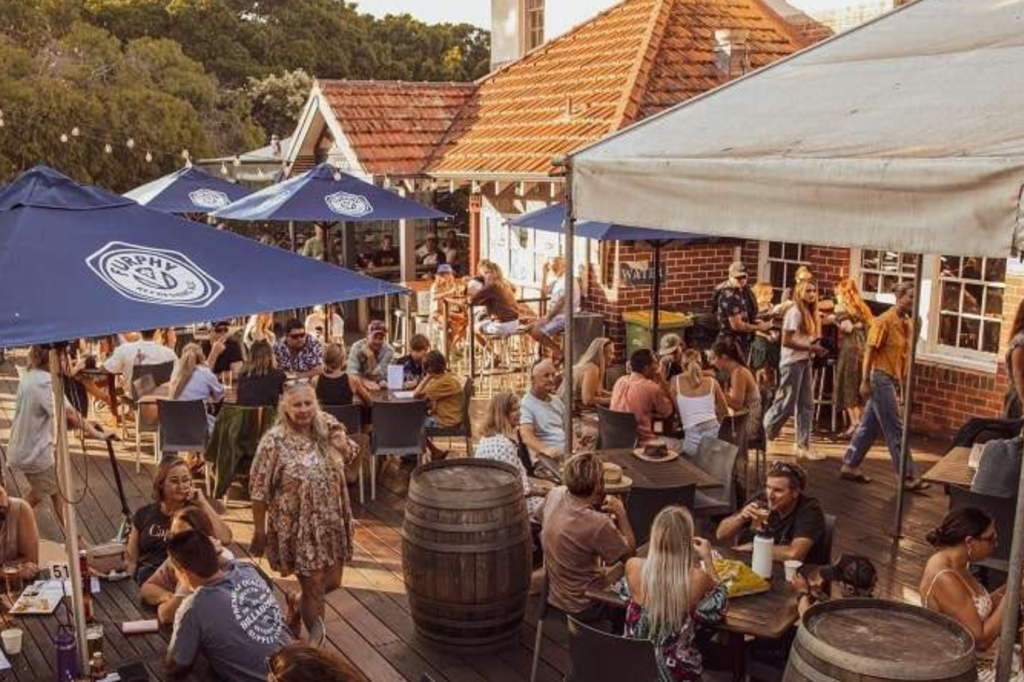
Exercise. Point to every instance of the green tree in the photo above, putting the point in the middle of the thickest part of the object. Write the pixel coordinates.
(277, 100)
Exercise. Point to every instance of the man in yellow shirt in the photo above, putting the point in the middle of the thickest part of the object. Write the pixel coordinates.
(886, 360)
(444, 391)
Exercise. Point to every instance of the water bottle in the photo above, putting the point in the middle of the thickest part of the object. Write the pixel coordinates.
(761, 563)
(67, 654)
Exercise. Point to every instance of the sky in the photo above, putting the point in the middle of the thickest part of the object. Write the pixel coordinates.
(560, 15)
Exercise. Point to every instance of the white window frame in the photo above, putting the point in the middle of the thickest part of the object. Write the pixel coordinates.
(764, 268)
(857, 269)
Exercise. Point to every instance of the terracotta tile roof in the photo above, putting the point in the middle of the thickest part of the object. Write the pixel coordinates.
(395, 127)
(628, 62)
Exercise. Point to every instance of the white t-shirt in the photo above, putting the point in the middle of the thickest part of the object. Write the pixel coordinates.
(545, 417)
(558, 296)
(124, 358)
(314, 320)
(791, 322)
(30, 449)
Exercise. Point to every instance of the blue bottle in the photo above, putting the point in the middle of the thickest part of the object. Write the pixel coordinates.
(67, 654)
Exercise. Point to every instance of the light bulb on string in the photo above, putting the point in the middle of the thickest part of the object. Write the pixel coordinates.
(237, 162)
(149, 157)
(75, 132)
(63, 137)
(108, 149)
(337, 175)
(259, 173)
(130, 143)
(223, 169)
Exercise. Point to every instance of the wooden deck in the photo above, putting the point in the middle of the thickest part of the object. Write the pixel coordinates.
(369, 621)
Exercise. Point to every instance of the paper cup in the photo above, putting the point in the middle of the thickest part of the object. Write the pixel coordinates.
(791, 567)
(12, 640)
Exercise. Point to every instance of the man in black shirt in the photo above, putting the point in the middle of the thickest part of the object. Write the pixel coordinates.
(387, 255)
(223, 352)
(795, 521)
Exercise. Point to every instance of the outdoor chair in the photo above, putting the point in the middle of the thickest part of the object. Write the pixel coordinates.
(718, 459)
(462, 430)
(544, 612)
(645, 503)
(398, 429)
(351, 417)
(615, 430)
(596, 656)
(181, 427)
(145, 379)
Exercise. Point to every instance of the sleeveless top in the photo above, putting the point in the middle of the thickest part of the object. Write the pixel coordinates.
(695, 410)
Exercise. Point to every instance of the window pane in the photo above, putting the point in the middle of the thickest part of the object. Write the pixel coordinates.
(869, 260)
(972, 268)
(995, 270)
(890, 261)
(950, 297)
(970, 331)
(775, 249)
(871, 282)
(778, 275)
(792, 251)
(947, 330)
(990, 339)
(994, 301)
(972, 299)
(908, 264)
(889, 283)
(950, 266)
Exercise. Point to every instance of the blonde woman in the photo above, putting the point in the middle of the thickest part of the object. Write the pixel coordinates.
(588, 374)
(800, 343)
(669, 593)
(193, 380)
(764, 351)
(498, 441)
(260, 327)
(853, 317)
(300, 507)
(700, 402)
(260, 383)
(499, 300)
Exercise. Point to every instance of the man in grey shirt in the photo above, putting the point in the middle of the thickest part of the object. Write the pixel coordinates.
(231, 617)
(368, 361)
(541, 413)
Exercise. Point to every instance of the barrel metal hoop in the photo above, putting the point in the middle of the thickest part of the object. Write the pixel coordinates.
(465, 549)
(430, 524)
(463, 500)
(805, 670)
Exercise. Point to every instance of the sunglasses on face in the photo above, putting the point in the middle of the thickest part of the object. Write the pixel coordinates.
(297, 337)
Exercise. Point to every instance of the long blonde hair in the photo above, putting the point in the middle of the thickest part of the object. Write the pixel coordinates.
(321, 430)
(499, 275)
(693, 368)
(849, 295)
(191, 356)
(763, 293)
(665, 577)
(594, 354)
(261, 360)
(809, 325)
(498, 422)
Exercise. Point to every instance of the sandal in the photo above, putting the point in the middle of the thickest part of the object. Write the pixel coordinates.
(294, 619)
(855, 476)
(915, 485)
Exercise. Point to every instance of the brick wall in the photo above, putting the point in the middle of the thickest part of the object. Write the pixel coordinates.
(946, 397)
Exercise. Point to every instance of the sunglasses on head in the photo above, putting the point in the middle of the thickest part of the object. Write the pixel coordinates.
(298, 381)
(785, 469)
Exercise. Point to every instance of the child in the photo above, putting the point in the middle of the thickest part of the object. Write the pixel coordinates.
(413, 362)
(444, 391)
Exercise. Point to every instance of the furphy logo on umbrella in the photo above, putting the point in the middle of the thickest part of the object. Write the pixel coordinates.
(159, 276)
(208, 198)
(350, 205)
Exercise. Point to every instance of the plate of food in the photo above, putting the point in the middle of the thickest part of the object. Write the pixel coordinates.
(655, 451)
(740, 579)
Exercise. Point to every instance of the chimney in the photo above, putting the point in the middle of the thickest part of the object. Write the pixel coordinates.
(732, 57)
(517, 26)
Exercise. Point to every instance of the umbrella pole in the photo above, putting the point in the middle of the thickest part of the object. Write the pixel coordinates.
(656, 297)
(908, 402)
(570, 296)
(291, 235)
(71, 515)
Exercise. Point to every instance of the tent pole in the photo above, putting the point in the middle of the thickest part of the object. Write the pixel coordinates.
(656, 297)
(1008, 633)
(908, 401)
(291, 235)
(570, 296)
(71, 516)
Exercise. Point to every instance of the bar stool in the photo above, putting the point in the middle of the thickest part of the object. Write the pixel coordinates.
(822, 376)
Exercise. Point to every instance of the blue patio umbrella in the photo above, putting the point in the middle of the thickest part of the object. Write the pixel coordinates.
(326, 195)
(188, 190)
(77, 261)
(551, 219)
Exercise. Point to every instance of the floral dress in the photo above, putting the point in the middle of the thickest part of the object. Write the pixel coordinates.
(502, 449)
(851, 358)
(309, 520)
(678, 657)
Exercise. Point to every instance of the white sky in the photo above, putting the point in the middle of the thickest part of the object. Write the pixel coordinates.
(560, 15)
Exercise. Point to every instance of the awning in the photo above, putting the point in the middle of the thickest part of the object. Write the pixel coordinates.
(903, 134)
(550, 219)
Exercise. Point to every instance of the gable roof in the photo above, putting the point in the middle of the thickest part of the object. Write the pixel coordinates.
(635, 59)
(395, 127)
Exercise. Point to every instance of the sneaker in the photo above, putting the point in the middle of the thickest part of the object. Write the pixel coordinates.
(809, 454)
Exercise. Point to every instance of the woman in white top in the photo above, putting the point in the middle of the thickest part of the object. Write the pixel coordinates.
(498, 441)
(588, 374)
(194, 380)
(700, 402)
(260, 327)
(948, 587)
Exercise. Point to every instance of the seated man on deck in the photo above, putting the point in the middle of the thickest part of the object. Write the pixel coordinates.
(368, 361)
(552, 323)
(541, 423)
(794, 520)
(298, 352)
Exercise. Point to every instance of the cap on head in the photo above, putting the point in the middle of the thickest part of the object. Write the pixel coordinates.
(445, 269)
(737, 269)
(377, 327)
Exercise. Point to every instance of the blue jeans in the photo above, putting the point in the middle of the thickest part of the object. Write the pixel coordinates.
(795, 393)
(694, 434)
(882, 411)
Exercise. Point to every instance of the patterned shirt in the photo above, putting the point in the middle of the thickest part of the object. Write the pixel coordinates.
(733, 301)
(307, 359)
(502, 449)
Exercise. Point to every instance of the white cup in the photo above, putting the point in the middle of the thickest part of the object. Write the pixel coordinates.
(791, 566)
(12, 640)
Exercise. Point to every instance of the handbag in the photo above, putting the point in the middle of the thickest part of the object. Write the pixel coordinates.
(106, 559)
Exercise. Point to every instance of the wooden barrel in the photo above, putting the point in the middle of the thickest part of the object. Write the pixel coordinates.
(870, 640)
(466, 553)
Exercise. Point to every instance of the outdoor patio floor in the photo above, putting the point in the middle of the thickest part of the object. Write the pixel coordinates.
(369, 621)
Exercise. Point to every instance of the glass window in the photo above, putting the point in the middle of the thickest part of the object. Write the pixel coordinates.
(881, 271)
(971, 302)
(783, 260)
(534, 23)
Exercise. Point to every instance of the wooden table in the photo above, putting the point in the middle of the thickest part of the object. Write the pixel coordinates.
(673, 474)
(952, 469)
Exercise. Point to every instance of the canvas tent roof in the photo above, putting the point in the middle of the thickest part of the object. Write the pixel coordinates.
(903, 134)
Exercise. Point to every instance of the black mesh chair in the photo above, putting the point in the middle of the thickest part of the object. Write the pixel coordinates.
(615, 430)
(596, 656)
(351, 416)
(398, 429)
(462, 430)
(182, 426)
(645, 503)
(718, 459)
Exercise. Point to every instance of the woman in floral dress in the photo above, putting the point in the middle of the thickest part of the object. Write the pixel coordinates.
(853, 317)
(669, 593)
(301, 514)
(497, 441)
